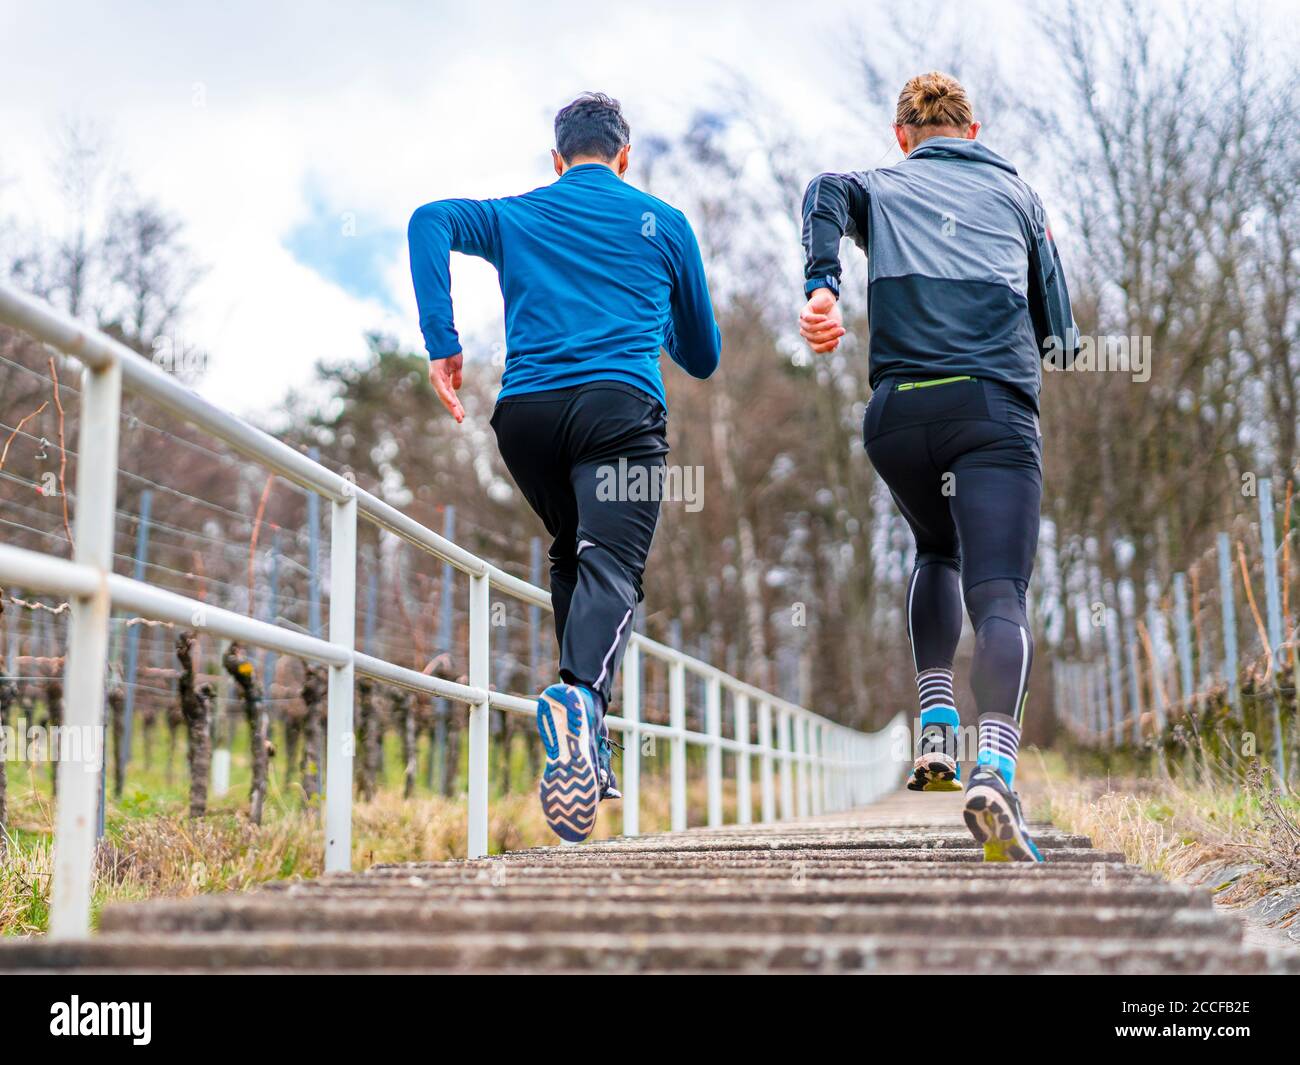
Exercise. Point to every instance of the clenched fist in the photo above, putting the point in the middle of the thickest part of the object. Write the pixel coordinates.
(821, 323)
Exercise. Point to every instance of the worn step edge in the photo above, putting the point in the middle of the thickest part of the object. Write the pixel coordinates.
(1026, 917)
(618, 953)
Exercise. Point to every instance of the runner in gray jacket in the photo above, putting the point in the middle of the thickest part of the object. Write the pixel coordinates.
(966, 298)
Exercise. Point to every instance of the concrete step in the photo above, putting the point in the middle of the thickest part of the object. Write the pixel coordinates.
(839, 844)
(583, 892)
(759, 859)
(618, 953)
(1028, 917)
(898, 888)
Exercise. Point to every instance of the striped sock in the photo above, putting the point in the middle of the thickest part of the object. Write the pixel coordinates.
(999, 744)
(938, 707)
(939, 718)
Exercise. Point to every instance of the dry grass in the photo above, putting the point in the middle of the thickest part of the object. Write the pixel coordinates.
(159, 853)
(1178, 829)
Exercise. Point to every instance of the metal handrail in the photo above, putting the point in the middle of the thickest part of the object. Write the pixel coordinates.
(823, 766)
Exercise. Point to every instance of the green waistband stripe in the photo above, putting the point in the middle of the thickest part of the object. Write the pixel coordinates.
(930, 384)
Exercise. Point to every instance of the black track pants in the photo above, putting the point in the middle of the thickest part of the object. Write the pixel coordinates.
(590, 462)
(963, 460)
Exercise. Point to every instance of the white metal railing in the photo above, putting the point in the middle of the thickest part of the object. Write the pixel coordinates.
(823, 766)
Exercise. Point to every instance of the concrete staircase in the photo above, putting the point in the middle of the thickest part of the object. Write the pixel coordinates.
(897, 887)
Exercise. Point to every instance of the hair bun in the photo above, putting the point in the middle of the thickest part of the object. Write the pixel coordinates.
(933, 99)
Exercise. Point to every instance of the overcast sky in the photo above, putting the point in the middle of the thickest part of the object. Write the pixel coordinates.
(273, 129)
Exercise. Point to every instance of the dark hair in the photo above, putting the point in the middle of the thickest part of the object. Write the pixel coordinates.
(592, 125)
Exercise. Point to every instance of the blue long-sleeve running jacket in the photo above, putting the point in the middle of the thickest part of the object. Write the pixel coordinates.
(596, 275)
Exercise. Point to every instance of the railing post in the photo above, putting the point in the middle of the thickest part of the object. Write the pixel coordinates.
(677, 720)
(744, 801)
(631, 782)
(826, 748)
(479, 669)
(801, 764)
(857, 770)
(817, 766)
(841, 771)
(830, 754)
(713, 725)
(766, 781)
(75, 816)
(785, 747)
(340, 736)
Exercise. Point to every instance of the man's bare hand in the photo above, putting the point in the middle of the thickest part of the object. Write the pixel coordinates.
(445, 375)
(821, 324)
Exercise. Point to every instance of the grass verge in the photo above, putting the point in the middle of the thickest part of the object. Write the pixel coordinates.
(1241, 838)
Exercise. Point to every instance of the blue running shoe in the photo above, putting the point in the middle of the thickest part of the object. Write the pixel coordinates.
(994, 818)
(570, 787)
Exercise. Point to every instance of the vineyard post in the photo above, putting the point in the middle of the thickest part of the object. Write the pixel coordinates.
(631, 708)
(1072, 699)
(1186, 677)
(744, 801)
(1078, 678)
(222, 732)
(340, 738)
(1157, 667)
(1057, 708)
(133, 642)
(1228, 606)
(1084, 704)
(74, 850)
(272, 612)
(1075, 702)
(713, 756)
(11, 648)
(1183, 634)
(767, 785)
(1115, 669)
(1273, 605)
(1105, 723)
(368, 730)
(479, 739)
(1083, 711)
(114, 652)
(1096, 710)
(1134, 681)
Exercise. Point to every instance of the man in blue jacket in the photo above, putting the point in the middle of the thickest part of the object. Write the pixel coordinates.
(596, 277)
